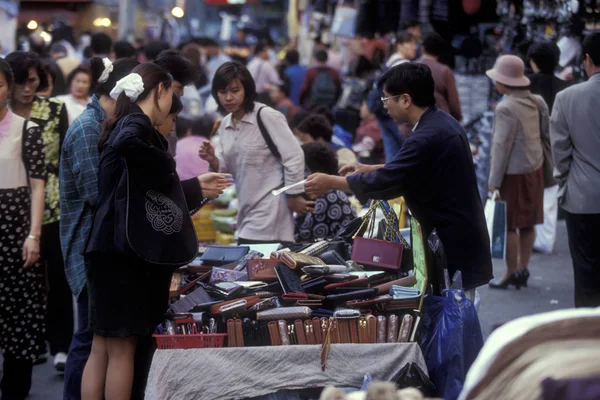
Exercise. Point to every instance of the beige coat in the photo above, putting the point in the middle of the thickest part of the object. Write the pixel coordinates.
(516, 137)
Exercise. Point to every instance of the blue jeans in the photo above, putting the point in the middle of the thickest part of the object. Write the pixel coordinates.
(79, 352)
(392, 141)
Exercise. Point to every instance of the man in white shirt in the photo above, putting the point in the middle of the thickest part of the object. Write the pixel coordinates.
(262, 71)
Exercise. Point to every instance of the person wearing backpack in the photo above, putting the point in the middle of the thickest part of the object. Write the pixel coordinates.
(322, 84)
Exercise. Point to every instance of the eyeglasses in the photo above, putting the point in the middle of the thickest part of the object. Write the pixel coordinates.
(385, 100)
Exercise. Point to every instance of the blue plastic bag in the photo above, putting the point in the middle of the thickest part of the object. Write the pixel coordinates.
(451, 340)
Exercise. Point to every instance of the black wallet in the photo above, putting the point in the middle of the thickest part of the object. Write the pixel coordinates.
(217, 256)
(355, 295)
(333, 258)
(315, 285)
(256, 333)
(289, 280)
(198, 296)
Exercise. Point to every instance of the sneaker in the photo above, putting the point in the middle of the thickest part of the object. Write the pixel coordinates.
(60, 361)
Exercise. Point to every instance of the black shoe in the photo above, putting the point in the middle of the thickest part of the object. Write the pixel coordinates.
(514, 279)
(524, 277)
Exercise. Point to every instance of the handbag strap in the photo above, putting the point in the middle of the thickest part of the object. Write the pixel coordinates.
(265, 134)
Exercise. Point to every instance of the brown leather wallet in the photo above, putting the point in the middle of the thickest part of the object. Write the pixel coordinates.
(250, 301)
(354, 338)
(231, 336)
(300, 332)
(296, 260)
(309, 332)
(344, 329)
(372, 328)
(368, 303)
(284, 333)
(381, 329)
(384, 288)
(393, 328)
(363, 332)
(405, 329)
(239, 333)
(262, 270)
(274, 333)
(335, 332)
(317, 330)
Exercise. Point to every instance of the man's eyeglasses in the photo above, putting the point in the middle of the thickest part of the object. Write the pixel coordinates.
(385, 100)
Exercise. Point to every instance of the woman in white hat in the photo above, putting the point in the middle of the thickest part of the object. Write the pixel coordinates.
(521, 123)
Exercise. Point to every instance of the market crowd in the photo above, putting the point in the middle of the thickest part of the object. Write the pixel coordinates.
(75, 126)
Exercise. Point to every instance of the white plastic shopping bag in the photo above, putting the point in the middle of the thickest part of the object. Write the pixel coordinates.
(545, 234)
(495, 216)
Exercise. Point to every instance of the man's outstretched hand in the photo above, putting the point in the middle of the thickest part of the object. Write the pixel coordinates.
(317, 185)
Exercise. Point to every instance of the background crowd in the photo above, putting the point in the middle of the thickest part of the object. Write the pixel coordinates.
(321, 117)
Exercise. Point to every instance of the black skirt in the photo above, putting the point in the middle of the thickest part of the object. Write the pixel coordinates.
(128, 297)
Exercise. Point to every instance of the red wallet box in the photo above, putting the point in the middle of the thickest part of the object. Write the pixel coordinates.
(377, 253)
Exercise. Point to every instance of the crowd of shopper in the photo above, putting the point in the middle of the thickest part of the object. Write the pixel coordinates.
(74, 131)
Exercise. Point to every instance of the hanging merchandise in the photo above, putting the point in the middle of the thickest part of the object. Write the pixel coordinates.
(344, 22)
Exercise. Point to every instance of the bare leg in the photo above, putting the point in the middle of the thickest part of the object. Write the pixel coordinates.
(526, 240)
(94, 374)
(512, 254)
(119, 378)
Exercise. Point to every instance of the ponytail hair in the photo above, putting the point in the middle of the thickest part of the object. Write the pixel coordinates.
(120, 69)
(152, 75)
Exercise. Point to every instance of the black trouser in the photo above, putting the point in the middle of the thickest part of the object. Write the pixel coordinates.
(584, 243)
(16, 379)
(59, 319)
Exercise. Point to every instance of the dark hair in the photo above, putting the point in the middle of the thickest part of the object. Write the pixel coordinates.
(153, 76)
(296, 119)
(121, 68)
(58, 79)
(317, 126)
(7, 72)
(205, 42)
(326, 112)
(545, 55)
(320, 158)
(410, 23)
(21, 61)
(404, 37)
(292, 57)
(58, 48)
(260, 47)
(226, 74)
(76, 71)
(153, 49)
(201, 126)
(176, 105)
(88, 52)
(191, 52)
(101, 43)
(591, 46)
(321, 55)
(413, 79)
(179, 67)
(124, 49)
(434, 44)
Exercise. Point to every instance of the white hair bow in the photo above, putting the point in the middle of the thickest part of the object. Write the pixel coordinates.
(108, 68)
(132, 85)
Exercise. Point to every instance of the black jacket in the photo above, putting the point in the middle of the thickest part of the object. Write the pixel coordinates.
(435, 174)
(547, 86)
(135, 140)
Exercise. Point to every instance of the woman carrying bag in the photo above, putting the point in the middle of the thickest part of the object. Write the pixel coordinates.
(517, 164)
(141, 230)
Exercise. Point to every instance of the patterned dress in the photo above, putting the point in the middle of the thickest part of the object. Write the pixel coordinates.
(22, 291)
(332, 212)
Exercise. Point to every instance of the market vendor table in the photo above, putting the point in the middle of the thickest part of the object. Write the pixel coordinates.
(241, 372)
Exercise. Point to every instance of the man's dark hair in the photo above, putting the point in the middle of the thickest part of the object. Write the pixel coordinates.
(101, 43)
(591, 46)
(58, 48)
(413, 79)
(321, 56)
(545, 55)
(226, 74)
(434, 44)
(179, 67)
(326, 112)
(7, 73)
(320, 158)
(201, 126)
(124, 49)
(260, 47)
(296, 119)
(21, 61)
(292, 57)
(404, 37)
(153, 49)
(78, 70)
(205, 42)
(317, 126)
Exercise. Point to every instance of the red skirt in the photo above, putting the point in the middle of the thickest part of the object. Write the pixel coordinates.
(524, 197)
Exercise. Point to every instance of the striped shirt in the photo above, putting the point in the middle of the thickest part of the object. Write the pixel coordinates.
(79, 189)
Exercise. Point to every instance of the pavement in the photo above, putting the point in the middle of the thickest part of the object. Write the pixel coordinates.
(550, 288)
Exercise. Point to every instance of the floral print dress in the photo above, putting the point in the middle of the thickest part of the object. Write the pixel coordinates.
(22, 291)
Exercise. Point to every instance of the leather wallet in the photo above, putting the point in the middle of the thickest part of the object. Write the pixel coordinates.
(363, 331)
(315, 248)
(217, 256)
(250, 301)
(227, 275)
(346, 313)
(392, 333)
(377, 253)
(289, 280)
(235, 333)
(309, 303)
(262, 270)
(274, 333)
(316, 323)
(405, 329)
(372, 328)
(254, 333)
(284, 313)
(297, 261)
(309, 332)
(314, 285)
(332, 258)
(381, 329)
(405, 304)
(293, 296)
(300, 332)
(198, 296)
(384, 288)
(239, 333)
(368, 303)
(344, 328)
(354, 338)
(284, 333)
(322, 312)
(357, 295)
(317, 270)
(333, 287)
(266, 304)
